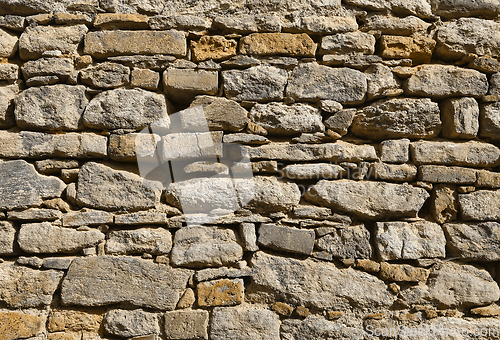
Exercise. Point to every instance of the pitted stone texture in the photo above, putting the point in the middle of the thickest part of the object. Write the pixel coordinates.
(272, 195)
(352, 242)
(36, 40)
(15, 325)
(409, 241)
(182, 85)
(45, 238)
(7, 237)
(186, 325)
(222, 292)
(480, 205)
(444, 203)
(22, 187)
(247, 84)
(220, 113)
(395, 151)
(56, 107)
(321, 24)
(417, 48)
(131, 323)
(22, 287)
(239, 323)
(287, 239)
(296, 45)
(397, 118)
(7, 95)
(281, 119)
(490, 121)
(8, 44)
(102, 44)
(60, 67)
(312, 82)
(121, 21)
(402, 273)
(86, 217)
(369, 200)
(155, 241)
(103, 280)
(474, 241)
(441, 81)
(27, 7)
(420, 8)
(352, 42)
(318, 284)
(394, 25)
(382, 82)
(455, 9)
(314, 327)
(460, 118)
(106, 75)
(126, 109)
(216, 48)
(102, 187)
(393, 172)
(205, 247)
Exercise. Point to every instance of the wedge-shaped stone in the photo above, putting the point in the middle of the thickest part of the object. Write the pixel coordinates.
(7, 95)
(352, 242)
(8, 44)
(103, 280)
(480, 205)
(474, 241)
(447, 174)
(313, 82)
(409, 241)
(370, 200)
(156, 241)
(131, 323)
(220, 113)
(287, 239)
(472, 153)
(15, 325)
(45, 238)
(188, 324)
(56, 107)
(102, 44)
(7, 237)
(23, 287)
(21, 186)
(442, 81)
(60, 67)
(398, 118)
(296, 45)
(126, 109)
(182, 85)
(102, 187)
(318, 284)
(36, 40)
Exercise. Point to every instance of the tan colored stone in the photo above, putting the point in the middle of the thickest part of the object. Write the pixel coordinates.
(447, 174)
(214, 47)
(71, 19)
(14, 325)
(282, 308)
(121, 21)
(187, 299)
(460, 118)
(368, 265)
(393, 172)
(402, 272)
(222, 292)
(144, 78)
(302, 311)
(488, 179)
(297, 45)
(417, 48)
(74, 321)
(186, 325)
(182, 85)
(444, 204)
(491, 310)
(8, 44)
(334, 315)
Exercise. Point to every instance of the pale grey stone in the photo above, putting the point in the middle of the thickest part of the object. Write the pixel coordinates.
(312, 82)
(29, 7)
(142, 217)
(495, 84)
(106, 75)
(351, 242)
(7, 238)
(393, 172)
(351, 42)
(394, 25)
(182, 85)
(42, 80)
(60, 67)
(287, 239)
(330, 106)
(395, 151)
(156, 241)
(248, 236)
(103, 280)
(242, 24)
(189, 22)
(56, 107)
(9, 72)
(447, 174)
(54, 166)
(451, 9)
(126, 109)
(154, 62)
(314, 327)
(221, 113)
(271, 194)
(474, 241)
(60, 263)
(420, 8)
(323, 24)
(381, 82)
(13, 22)
(7, 95)
(313, 171)
(35, 214)
(205, 247)
(460, 118)
(87, 217)
(189, 324)
(32, 261)
(245, 138)
(370, 200)
(247, 84)
(409, 241)
(480, 205)
(131, 323)
(8, 44)
(490, 121)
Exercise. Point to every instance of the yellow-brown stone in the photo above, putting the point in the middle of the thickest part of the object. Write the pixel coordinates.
(74, 321)
(417, 48)
(213, 47)
(298, 45)
(402, 272)
(334, 315)
(282, 309)
(121, 21)
(491, 310)
(368, 265)
(187, 300)
(222, 292)
(15, 325)
(302, 311)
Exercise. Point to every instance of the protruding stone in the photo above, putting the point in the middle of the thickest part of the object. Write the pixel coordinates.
(184, 84)
(447, 174)
(131, 323)
(296, 45)
(8, 44)
(474, 241)
(480, 205)
(7, 237)
(192, 324)
(220, 113)
(490, 121)
(106, 75)
(156, 241)
(444, 204)
(287, 239)
(222, 292)
(352, 242)
(119, 21)
(402, 273)
(417, 48)
(382, 82)
(460, 118)
(272, 195)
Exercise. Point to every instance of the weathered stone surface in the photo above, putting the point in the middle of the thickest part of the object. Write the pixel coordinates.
(475, 241)
(77, 321)
(451, 9)
(184, 84)
(393, 172)
(240, 24)
(216, 48)
(444, 204)
(57, 107)
(36, 40)
(272, 194)
(409, 241)
(60, 67)
(22, 287)
(222, 292)
(480, 205)
(490, 121)
(286, 239)
(142, 217)
(220, 113)
(146, 79)
(8, 44)
(190, 324)
(458, 38)
(45, 238)
(420, 8)
(417, 48)
(447, 174)
(131, 323)
(101, 280)
(381, 82)
(205, 247)
(7, 237)
(324, 24)
(15, 325)
(352, 42)
(347, 243)
(249, 236)
(472, 153)
(398, 117)
(395, 151)
(102, 44)
(297, 45)
(441, 81)
(318, 284)
(247, 84)
(86, 217)
(394, 25)
(106, 75)
(495, 84)
(22, 187)
(192, 145)
(156, 241)
(314, 327)
(281, 119)
(126, 109)
(313, 171)
(238, 323)
(371, 200)
(101, 187)
(121, 21)
(460, 118)
(313, 82)
(7, 96)
(488, 179)
(402, 273)
(192, 22)
(340, 121)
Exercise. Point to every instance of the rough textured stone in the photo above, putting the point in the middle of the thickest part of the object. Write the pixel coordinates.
(220, 113)
(106, 75)
(402, 273)
(142, 217)
(8, 44)
(57, 107)
(417, 48)
(420, 8)
(238, 323)
(313, 171)
(490, 121)
(444, 204)
(447, 174)
(272, 194)
(324, 24)
(286, 239)
(39, 39)
(86, 217)
(15, 325)
(131, 323)
(40, 238)
(101, 280)
(205, 247)
(318, 284)
(185, 84)
(7, 96)
(216, 48)
(186, 324)
(101, 187)
(281, 119)
(480, 205)
(313, 82)
(451, 9)
(460, 118)
(475, 241)
(409, 241)
(126, 109)
(347, 243)
(60, 67)
(102, 44)
(394, 25)
(352, 42)
(441, 81)
(472, 153)
(297, 45)
(121, 21)
(7, 237)
(395, 151)
(247, 84)
(488, 179)
(314, 327)
(340, 121)
(371, 200)
(222, 292)
(155, 241)
(393, 172)
(144, 78)
(381, 82)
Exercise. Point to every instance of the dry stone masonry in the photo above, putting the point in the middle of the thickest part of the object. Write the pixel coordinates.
(249, 169)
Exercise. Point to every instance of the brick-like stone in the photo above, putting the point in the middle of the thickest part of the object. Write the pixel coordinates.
(480, 205)
(119, 21)
(313, 171)
(351, 42)
(220, 113)
(86, 217)
(7, 237)
(460, 118)
(106, 75)
(131, 323)
(352, 242)
(296, 45)
(215, 47)
(447, 174)
(417, 48)
(156, 241)
(394, 25)
(321, 24)
(222, 292)
(60, 67)
(402, 273)
(186, 325)
(182, 85)
(474, 241)
(15, 325)
(395, 151)
(393, 172)
(286, 238)
(488, 179)
(144, 78)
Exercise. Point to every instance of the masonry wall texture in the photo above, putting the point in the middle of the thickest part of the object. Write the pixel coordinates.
(372, 129)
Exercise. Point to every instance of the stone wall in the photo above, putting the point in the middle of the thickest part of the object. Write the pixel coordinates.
(371, 129)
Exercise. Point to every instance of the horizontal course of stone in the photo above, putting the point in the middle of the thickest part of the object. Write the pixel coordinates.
(371, 129)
